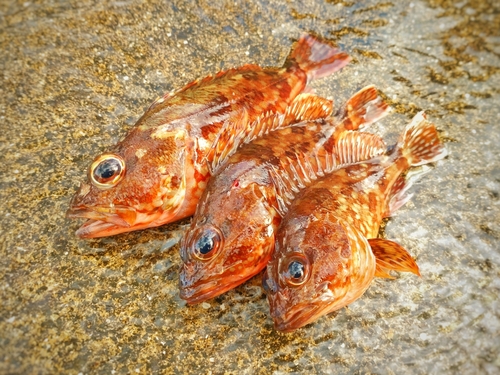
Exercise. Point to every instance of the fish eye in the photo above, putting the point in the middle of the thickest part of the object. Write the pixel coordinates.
(107, 170)
(206, 242)
(296, 270)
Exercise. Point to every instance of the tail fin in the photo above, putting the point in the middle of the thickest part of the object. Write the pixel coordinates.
(363, 108)
(317, 57)
(420, 143)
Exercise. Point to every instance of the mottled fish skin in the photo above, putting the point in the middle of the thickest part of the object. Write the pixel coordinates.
(231, 236)
(327, 253)
(157, 173)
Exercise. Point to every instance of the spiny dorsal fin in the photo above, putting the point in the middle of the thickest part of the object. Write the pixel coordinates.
(362, 109)
(296, 173)
(305, 107)
(391, 256)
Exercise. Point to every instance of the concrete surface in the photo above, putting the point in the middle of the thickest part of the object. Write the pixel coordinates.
(76, 75)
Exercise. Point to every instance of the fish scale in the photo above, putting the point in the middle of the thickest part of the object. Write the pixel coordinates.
(160, 168)
(239, 211)
(329, 230)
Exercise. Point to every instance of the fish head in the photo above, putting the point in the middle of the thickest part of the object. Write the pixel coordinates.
(318, 266)
(231, 235)
(139, 184)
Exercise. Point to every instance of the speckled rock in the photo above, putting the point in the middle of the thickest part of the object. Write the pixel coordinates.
(76, 75)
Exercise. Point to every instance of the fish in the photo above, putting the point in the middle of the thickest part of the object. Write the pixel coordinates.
(156, 174)
(231, 235)
(327, 250)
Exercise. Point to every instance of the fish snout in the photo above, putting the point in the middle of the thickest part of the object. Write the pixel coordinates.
(193, 290)
(292, 317)
(77, 203)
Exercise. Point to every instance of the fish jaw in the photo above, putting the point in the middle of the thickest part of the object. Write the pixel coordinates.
(210, 288)
(327, 300)
(113, 224)
(111, 220)
(301, 314)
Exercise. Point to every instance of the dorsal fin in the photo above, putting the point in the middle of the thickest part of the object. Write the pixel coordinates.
(352, 147)
(305, 107)
(363, 108)
(296, 173)
(308, 107)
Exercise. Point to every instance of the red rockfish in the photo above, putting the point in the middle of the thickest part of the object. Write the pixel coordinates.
(327, 251)
(157, 173)
(231, 236)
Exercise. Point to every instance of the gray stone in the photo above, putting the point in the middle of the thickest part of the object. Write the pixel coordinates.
(77, 75)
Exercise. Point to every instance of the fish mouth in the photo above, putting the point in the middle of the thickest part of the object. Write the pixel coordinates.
(298, 316)
(103, 220)
(199, 294)
(110, 221)
(202, 290)
(98, 228)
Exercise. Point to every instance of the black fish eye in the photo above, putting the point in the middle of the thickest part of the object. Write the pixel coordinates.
(296, 271)
(107, 170)
(206, 242)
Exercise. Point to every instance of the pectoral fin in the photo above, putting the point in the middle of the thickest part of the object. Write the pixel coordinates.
(391, 256)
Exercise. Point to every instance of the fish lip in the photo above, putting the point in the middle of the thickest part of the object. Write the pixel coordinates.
(98, 228)
(196, 295)
(301, 315)
(198, 291)
(122, 216)
(103, 220)
(93, 214)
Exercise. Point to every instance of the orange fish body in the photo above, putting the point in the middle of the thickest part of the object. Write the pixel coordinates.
(326, 251)
(231, 236)
(157, 173)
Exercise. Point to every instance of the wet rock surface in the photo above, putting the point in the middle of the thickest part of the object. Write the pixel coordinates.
(77, 75)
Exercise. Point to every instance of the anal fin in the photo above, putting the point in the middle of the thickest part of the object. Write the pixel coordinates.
(391, 256)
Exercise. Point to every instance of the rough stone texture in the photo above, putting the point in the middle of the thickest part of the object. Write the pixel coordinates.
(76, 75)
